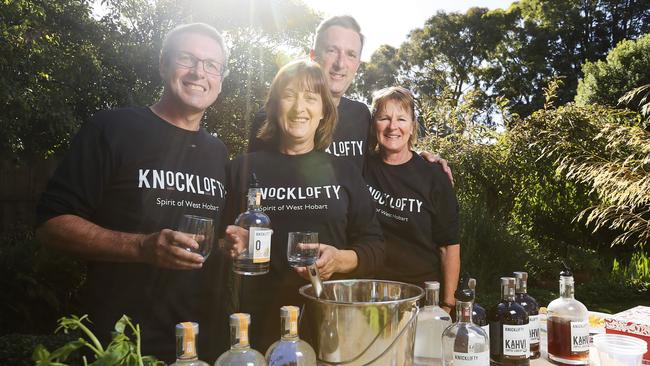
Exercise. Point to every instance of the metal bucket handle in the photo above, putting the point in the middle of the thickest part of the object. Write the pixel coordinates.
(414, 315)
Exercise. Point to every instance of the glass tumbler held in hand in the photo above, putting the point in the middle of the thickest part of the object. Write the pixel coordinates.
(201, 230)
(302, 248)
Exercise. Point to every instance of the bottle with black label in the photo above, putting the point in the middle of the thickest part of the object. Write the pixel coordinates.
(508, 328)
(532, 308)
(464, 343)
(479, 315)
(255, 259)
(568, 325)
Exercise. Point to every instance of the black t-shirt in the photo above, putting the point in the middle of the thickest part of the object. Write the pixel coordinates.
(418, 213)
(350, 138)
(310, 192)
(130, 171)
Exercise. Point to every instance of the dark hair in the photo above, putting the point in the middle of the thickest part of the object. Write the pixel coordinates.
(198, 28)
(405, 99)
(345, 21)
(310, 77)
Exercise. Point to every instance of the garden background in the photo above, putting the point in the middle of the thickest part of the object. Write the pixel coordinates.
(541, 109)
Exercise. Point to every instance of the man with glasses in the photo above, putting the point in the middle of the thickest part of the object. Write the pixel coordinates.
(124, 186)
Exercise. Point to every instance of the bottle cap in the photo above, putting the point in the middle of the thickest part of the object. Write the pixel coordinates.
(289, 310)
(463, 292)
(507, 286)
(255, 183)
(522, 279)
(432, 285)
(183, 328)
(471, 283)
(240, 318)
(566, 271)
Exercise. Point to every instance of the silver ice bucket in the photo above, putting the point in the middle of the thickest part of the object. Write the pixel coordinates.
(361, 322)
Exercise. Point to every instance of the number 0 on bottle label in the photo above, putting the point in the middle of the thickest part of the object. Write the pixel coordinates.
(259, 240)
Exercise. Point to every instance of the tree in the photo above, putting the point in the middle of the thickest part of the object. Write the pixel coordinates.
(626, 67)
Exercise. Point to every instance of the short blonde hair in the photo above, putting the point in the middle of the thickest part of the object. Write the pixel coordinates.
(310, 77)
(405, 99)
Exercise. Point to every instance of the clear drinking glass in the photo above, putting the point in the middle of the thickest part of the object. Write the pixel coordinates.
(200, 229)
(302, 248)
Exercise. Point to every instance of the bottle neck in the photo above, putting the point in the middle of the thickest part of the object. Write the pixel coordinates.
(507, 293)
(289, 328)
(566, 287)
(186, 348)
(238, 337)
(432, 297)
(464, 311)
(254, 198)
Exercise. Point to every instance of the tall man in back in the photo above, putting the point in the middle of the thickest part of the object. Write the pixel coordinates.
(337, 49)
(122, 189)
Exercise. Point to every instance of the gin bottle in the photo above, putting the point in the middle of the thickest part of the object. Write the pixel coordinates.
(240, 352)
(290, 350)
(256, 258)
(186, 354)
(508, 328)
(568, 325)
(432, 321)
(479, 315)
(530, 304)
(464, 343)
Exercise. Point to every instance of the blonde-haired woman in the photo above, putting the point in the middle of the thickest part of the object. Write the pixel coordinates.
(417, 207)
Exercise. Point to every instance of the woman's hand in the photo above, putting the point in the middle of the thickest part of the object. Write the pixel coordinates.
(332, 260)
(236, 240)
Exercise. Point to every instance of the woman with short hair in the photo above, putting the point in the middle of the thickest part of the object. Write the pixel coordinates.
(416, 204)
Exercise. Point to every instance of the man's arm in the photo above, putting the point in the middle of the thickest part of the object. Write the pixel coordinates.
(81, 237)
(435, 158)
(450, 269)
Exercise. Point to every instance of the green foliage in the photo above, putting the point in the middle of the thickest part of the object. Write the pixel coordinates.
(123, 350)
(511, 54)
(607, 150)
(37, 283)
(636, 273)
(625, 68)
(17, 349)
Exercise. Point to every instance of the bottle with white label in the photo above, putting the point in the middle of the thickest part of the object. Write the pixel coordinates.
(532, 308)
(255, 259)
(479, 315)
(508, 328)
(431, 322)
(464, 343)
(568, 325)
(186, 354)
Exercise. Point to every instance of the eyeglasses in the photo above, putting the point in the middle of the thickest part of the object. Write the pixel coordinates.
(189, 61)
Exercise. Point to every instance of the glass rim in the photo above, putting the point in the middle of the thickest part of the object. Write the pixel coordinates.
(197, 217)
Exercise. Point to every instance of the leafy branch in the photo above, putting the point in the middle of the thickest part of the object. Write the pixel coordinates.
(121, 351)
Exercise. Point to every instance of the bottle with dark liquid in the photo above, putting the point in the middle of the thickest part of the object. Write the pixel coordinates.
(532, 308)
(568, 325)
(479, 315)
(508, 328)
(256, 258)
